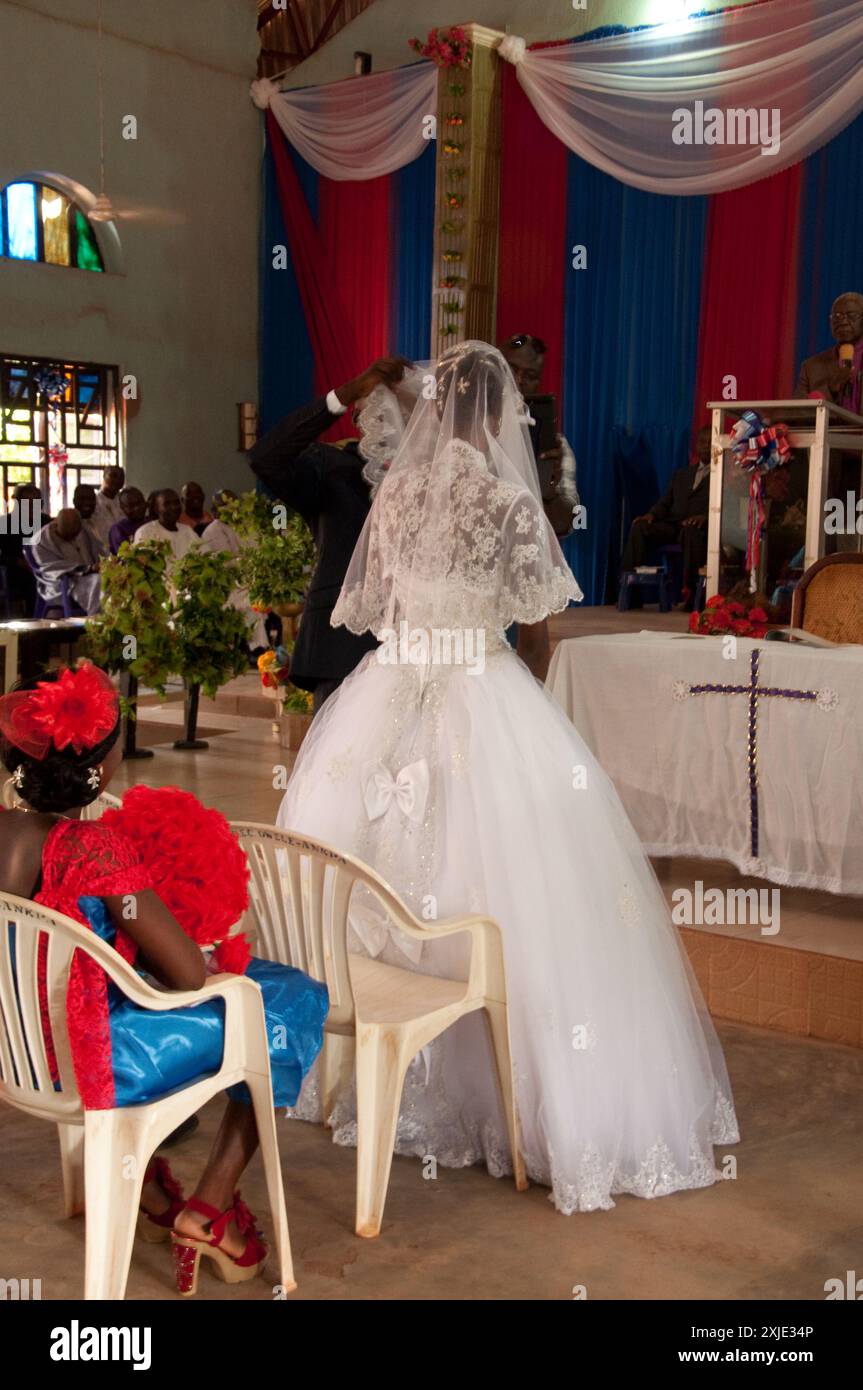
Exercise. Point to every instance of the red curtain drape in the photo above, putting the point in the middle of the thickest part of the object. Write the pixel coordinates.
(532, 256)
(341, 266)
(354, 224)
(334, 343)
(749, 292)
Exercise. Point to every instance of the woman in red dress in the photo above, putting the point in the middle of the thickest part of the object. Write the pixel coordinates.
(60, 741)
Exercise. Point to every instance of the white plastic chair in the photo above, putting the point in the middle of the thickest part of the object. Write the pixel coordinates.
(105, 1152)
(380, 1015)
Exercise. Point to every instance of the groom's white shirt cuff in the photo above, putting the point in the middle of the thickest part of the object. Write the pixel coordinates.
(334, 405)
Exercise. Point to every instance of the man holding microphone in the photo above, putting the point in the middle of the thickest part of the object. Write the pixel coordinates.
(834, 374)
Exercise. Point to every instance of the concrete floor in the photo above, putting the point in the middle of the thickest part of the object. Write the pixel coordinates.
(790, 1219)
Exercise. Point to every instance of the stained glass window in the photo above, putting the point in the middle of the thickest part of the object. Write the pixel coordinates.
(40, 223)
(61, 441)
(87, 252)
(21, 226)
(55, 226)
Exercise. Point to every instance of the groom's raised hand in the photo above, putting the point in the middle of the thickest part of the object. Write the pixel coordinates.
(386, 371)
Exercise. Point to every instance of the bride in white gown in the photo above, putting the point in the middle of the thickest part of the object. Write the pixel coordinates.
(443, 763)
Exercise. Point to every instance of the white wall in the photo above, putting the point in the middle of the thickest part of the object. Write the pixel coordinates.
(183, 314)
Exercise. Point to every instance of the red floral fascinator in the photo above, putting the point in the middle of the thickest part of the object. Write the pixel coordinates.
(77, 711)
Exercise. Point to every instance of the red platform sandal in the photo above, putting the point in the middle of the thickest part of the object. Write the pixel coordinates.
(234, 1269)
(158, 1228)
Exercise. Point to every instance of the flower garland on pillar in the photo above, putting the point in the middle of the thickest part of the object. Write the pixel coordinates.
(450, 49)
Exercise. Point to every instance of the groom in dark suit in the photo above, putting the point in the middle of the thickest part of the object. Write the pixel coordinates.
(325, 484)
(680, 515)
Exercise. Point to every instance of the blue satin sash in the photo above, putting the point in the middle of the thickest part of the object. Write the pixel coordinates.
(154, 1053)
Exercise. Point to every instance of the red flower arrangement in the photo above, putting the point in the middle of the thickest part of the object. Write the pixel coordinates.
(199, 870)
(723, 616)
(448, 48)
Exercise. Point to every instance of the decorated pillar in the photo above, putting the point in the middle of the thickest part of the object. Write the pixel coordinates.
(464, 293)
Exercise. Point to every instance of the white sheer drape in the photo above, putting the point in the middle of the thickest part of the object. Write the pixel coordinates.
(613, 101)
(360, 128)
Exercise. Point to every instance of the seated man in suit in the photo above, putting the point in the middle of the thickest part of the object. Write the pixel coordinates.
(679, 516)
(325, 484)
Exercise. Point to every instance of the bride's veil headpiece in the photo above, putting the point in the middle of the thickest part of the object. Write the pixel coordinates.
(457, 534)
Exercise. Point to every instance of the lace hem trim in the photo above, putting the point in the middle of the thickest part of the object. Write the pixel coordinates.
(597, 1180)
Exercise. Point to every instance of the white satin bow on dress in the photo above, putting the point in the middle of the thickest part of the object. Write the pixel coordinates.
(409, 789)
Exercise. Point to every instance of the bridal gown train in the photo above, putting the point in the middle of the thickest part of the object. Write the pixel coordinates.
(468, 790)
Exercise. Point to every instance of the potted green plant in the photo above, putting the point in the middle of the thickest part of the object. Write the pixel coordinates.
(278, 552)
(209, 635)
(132, 634)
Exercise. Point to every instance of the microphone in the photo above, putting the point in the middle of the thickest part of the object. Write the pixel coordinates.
(846, 354)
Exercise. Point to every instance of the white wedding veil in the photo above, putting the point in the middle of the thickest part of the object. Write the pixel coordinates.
(456, 534)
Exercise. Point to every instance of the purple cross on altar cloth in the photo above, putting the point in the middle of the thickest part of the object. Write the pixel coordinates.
(825, 700)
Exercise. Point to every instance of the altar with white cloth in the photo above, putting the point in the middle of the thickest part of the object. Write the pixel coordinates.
(756, 759)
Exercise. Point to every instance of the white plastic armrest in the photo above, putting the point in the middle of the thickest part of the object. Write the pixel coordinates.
(146, 995)
(473, 924)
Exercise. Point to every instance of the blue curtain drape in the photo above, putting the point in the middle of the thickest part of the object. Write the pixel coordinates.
(412, 242)
(831, 235)
(630, 349)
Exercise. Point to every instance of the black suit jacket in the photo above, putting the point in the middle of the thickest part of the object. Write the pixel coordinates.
(326, 486)
(679, 502)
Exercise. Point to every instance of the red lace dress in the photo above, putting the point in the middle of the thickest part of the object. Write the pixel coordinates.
(122, 1053)
(87, 860)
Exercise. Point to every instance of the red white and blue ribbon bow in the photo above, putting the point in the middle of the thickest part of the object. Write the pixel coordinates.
(757, 449)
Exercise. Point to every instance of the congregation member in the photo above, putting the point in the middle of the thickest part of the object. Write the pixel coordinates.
(84, 502)
(193, 513)
(525, 356)
(219, 537)
(67, 548)
(330, 489)
(218, 534)
(133, 513)
(167, 526)
(679, 517)
(22, 521)
(108, 509)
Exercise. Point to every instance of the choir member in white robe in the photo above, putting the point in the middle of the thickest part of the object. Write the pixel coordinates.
(108, 510)
(167, 526)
